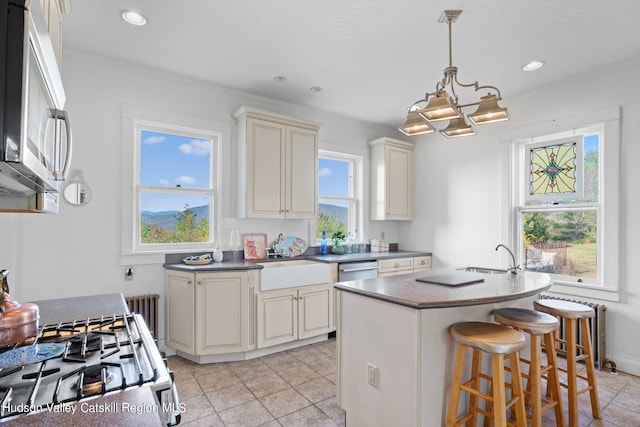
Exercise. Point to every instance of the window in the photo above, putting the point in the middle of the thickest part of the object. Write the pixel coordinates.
(560, 209)
(339, 194)
(175, 187)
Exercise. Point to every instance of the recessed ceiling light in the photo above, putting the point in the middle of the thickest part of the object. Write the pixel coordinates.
(315, 89)
(533, 65)
(280, 79)
(134, 18)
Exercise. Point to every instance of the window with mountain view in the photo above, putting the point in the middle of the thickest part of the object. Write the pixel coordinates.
(175, 186)
(560, 211)
(338, 194)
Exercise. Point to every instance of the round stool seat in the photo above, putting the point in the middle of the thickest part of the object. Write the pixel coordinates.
(489, 337)
(530, 321)
(565, 309)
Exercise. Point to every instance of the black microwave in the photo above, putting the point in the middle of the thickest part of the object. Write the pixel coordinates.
(35, 149)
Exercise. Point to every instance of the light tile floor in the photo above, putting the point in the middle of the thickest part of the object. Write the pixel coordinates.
(298, 388)
(291, 388)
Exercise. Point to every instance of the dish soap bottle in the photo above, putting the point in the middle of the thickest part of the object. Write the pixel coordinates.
(323, 243)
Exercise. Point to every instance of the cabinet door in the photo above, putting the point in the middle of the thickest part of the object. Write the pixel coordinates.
(398, 187)
(179, 301)
(315, 311)
(394, 266)
(422, 263)
(265, 169)
(221, 312)
(277, 317)
(302, 173)
(53, 16)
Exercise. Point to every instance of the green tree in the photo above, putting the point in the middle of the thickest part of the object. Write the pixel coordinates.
(153, 233)
(330, 224)
(577, 227)
(188, 229)
(536, 227)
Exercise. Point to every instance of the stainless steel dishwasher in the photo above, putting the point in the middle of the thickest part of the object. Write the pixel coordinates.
(357, 270)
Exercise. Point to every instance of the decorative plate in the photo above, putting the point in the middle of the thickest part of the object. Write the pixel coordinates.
(30, 354)
(198, 259)
(255, 245)
(293, 246)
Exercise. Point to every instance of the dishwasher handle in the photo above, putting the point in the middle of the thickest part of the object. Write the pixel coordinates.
(351, 270)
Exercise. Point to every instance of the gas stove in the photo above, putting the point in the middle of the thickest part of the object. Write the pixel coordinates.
(94, 357)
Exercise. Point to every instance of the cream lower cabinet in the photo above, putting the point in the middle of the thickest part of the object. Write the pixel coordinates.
(211, 313)
(395, 266)
(291, 314)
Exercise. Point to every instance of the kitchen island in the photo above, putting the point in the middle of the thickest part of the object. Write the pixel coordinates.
(395, 355)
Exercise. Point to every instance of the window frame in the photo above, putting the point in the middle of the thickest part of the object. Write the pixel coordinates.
(607, 121)
(355, 200)
(136, 119)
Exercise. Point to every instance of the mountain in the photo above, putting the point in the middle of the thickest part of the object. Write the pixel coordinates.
(167, 219)
(340, 213)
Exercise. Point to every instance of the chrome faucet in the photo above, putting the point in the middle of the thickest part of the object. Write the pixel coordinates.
(513, 268)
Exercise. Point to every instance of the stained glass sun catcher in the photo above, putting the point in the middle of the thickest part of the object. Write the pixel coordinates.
(555, 168)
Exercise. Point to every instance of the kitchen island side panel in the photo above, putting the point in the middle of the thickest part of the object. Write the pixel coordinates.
(414, 354)
(385, 336)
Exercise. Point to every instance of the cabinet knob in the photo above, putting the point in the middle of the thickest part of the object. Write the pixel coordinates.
(396, 265)
(199, 282)
(189, 282)
(423, 262)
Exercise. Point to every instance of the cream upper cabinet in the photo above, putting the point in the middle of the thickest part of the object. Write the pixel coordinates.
(53, 17)
(391, 179)
(277, 165)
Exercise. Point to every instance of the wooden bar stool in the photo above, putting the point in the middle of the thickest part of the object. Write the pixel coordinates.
(498, 341)
(538, 325)
(573, 312)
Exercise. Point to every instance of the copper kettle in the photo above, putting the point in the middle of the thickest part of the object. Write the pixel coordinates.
(18, 322)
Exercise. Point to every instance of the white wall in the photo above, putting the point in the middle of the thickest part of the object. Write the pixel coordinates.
(463, 186)
(77, 252)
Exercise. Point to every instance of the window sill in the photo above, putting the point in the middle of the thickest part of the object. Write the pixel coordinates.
(584, 291)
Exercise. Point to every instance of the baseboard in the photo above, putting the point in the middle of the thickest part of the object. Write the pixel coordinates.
(628, 365)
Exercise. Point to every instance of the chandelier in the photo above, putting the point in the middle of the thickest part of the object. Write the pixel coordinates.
(442, 105)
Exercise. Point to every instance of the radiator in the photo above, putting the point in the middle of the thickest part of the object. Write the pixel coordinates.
(147, 307)
(597, 329)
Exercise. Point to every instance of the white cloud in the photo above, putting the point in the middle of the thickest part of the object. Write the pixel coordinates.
(325, 172)
(153, 140)
(163, 182)
(186, 180)
(197, 147)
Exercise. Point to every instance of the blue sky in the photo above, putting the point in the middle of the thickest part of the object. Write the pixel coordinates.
(333, 177)
(169, 161)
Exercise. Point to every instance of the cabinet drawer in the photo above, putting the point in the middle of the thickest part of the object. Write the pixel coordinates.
(422, 263)
(395, 265)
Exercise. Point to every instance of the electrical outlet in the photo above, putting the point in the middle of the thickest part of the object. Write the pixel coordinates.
(128, 273)
(372, 374)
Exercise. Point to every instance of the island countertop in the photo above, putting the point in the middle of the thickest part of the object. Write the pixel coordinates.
(406, 290)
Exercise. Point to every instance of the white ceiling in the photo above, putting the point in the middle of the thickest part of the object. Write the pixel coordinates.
(373, 58)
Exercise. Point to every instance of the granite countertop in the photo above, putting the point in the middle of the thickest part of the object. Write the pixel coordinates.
(406, 290)
(329, 258)
(68, 309)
